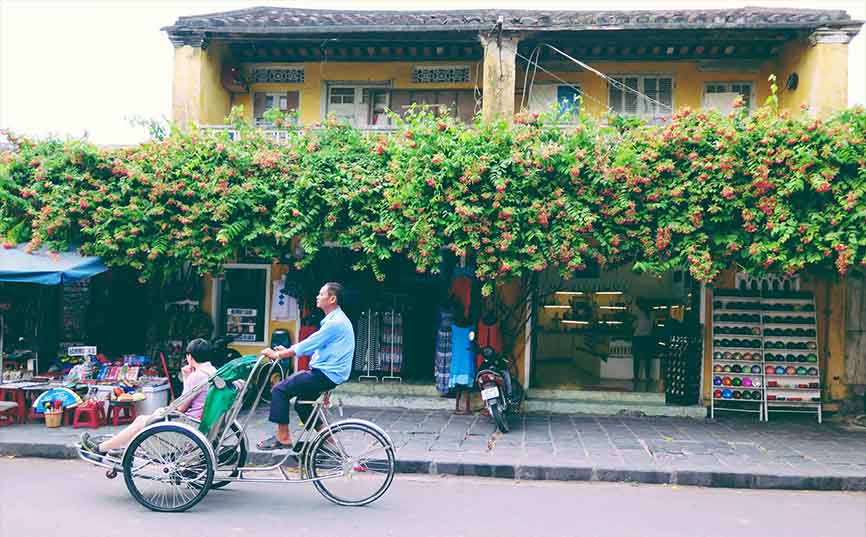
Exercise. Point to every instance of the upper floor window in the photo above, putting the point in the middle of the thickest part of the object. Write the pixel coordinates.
(563, 98)
(721, 95)
(651, 96)
(283, 101)
(361, 106)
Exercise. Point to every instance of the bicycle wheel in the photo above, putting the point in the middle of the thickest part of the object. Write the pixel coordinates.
(168, 468)
(354, 464)
(233, 454)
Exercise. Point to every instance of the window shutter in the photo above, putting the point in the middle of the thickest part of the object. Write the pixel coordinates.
(630, 99)
(293, 100)
(465, 106)
(259, 105)
(614, 96)
(666, 94)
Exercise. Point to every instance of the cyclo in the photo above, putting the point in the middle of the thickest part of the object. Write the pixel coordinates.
(171, 464)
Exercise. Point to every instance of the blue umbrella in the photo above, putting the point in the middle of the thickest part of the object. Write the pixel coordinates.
(67, 398)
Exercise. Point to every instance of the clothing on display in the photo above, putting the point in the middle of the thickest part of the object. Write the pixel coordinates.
(367, 341)
(284, 307)
(462, 357)
(461, 289)
(442, 367)
(305, 332)
(489, 335)
(391, 347)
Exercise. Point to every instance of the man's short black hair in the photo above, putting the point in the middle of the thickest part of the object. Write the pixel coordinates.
(200, 349)
(336, 290)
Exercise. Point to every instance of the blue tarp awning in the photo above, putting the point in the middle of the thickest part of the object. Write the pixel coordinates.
(42, 266)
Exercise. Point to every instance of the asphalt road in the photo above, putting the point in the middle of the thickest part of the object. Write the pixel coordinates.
(70, 498)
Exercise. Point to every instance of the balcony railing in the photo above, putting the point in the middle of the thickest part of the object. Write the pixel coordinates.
(282, 134)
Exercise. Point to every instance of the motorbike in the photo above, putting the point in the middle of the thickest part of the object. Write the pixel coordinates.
(499, 390)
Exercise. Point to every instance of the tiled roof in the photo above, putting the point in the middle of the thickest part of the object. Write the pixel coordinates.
(273, 20)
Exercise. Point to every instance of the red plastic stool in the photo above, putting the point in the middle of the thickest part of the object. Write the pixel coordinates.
(121, 412)
(89, 415)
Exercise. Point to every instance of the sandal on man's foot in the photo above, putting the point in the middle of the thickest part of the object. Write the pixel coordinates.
(272, 444)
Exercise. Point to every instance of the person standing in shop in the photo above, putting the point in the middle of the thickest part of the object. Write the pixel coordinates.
(642, 343)
(332, 348)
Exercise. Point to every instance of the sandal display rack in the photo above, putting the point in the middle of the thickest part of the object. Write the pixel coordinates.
(769, 341)
(790, 333)
(738, 353)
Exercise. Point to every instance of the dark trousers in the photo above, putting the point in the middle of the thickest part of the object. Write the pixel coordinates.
(306, 386)
(642, 351)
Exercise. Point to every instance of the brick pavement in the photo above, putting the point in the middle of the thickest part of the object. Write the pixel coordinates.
(794, 452)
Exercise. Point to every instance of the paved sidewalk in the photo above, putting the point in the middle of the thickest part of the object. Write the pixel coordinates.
(794, 453)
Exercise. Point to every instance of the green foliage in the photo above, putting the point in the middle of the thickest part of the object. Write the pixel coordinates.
(770, 192)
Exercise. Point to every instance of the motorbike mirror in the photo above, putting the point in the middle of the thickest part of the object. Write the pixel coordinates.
(472, 335)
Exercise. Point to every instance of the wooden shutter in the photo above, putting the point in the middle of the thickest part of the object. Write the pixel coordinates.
(259, 105)
(294, 100)
(465, 106)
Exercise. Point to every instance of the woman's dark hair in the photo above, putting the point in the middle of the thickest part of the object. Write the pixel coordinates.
(335, 289)
(200, 349)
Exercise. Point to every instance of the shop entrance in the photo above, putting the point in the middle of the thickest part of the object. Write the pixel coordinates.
(394, 320)
(606, 330)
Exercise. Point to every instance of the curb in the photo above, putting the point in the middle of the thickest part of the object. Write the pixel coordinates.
(711, 479)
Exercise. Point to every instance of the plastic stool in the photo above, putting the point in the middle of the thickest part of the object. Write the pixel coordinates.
(8, 413)
(121, 413)
(89, 415)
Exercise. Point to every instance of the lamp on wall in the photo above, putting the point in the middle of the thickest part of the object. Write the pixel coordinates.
(792, 81)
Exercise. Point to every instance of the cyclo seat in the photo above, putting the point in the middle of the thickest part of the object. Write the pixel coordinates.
(222, 392)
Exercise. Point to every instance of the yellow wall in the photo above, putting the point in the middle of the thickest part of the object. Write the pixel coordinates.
(688, 81)
(830, 312)
(317, 74)
(823, 76)
(197, 92)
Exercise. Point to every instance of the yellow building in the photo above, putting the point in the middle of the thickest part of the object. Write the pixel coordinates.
(355, 65)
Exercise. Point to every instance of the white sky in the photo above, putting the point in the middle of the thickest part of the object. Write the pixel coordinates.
(67, 67)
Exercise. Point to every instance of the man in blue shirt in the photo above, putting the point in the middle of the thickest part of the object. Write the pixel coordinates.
(332, 347)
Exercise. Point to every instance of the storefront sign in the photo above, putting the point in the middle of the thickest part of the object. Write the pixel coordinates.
(81, 351)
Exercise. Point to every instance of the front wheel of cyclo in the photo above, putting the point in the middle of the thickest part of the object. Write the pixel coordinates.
(353, 463)
(168, 467)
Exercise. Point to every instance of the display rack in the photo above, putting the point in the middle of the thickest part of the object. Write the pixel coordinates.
(776, 330)
(738, 353)
(791, 362)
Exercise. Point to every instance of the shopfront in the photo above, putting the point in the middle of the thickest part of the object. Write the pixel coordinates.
(405, 325)
(607, 330)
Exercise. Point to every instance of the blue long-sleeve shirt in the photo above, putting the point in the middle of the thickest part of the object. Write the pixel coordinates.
(332, 347)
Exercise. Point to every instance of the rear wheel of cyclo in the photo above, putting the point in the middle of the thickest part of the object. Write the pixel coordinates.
(358, 470)
(233, 454)
(168, 468)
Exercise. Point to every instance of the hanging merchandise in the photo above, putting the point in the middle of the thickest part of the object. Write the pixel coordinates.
(366, 358)
(462, 357)
(309, 326)
(442, 368)
(489, 335)
(391, 348)
(284, 307)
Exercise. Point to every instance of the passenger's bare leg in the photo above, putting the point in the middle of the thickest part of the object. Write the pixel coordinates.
(122, 438)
